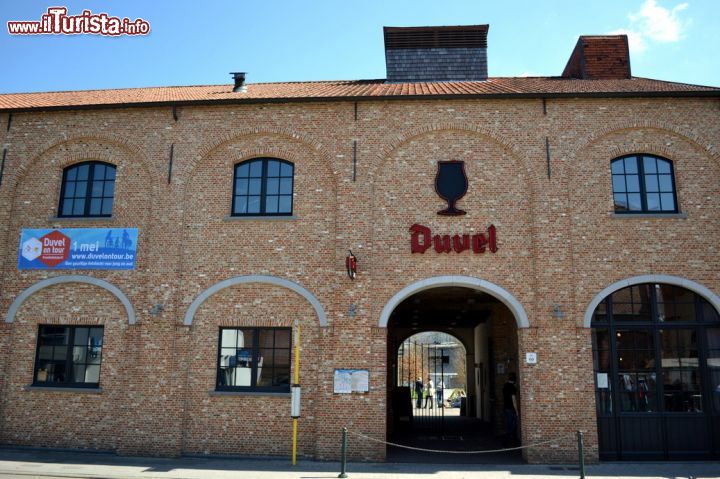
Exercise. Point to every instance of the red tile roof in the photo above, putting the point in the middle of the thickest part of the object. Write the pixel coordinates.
(506, 87)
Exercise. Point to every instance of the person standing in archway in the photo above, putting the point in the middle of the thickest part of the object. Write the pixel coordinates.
(418, 393)
(510, 410)
(430, 390)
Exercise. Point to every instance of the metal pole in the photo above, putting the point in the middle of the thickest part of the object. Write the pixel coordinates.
(343, 454)
(297, 382)
(581, 455)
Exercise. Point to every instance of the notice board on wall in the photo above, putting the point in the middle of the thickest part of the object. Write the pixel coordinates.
(348, 381)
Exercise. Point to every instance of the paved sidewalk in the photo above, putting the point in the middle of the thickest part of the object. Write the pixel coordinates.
(25, 464)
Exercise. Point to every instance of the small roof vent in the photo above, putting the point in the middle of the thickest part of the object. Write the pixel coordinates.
(239, 78)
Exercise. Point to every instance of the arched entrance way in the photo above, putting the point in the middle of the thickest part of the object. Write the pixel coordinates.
(656, 356)
(464, 339)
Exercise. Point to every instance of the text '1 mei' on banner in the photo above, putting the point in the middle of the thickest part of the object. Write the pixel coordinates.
(78, 248)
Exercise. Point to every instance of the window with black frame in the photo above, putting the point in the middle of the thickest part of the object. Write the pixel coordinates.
(648, 347)
(254, 359)
(263, 187)
(643, 184)
(68, 356)
(87, 190)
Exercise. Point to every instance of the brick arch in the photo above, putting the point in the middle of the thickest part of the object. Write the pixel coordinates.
(697, 142)
(262, 279)
(239, 134)
(403, 138)
(22, 297)
(122, 143)
(505, 297)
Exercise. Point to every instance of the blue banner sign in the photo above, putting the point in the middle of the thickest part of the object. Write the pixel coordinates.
(78, 248)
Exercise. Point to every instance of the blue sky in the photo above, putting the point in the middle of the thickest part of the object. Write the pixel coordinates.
(194, 43)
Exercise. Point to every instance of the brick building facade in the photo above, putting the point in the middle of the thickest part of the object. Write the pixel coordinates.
(538, 154)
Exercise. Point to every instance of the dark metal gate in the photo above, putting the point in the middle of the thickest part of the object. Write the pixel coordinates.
(421, 385)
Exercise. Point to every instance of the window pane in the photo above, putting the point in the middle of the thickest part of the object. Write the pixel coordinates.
(663, 166)
(46, 352)
(649, 164)
(242, 171)
(667, 202)
(82, 172)
(253, 205)
(282, 338)
(665, 183)
(633, 183)
(271, 205)
(241, 187)
(96, 206)
(285, 204)
(273, 186)
(67, 207)
(651, 183)
(617, 167)
(634, 202)
(676, 312)
(99, 172)
(228, 339)
(282, 357)
(254, 187)
(110, 172)
(631, 165)
(286, 169)
(54, 335)
(60, 352)
(80, 354)
(109, 190)
(92, 374)
(621, 203)
(71, 174)
(256, 169)
(79, 373)
(618, 183)
(273, 168)
(286, 186)
(107, 206)
(246, 338)
(267, 338)
(240, 205)
(81, 336)
(97, 188)
(70, 189)
(653, 202)
(80, 189)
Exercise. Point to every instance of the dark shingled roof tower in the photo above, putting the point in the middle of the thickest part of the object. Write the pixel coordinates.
(435, 54)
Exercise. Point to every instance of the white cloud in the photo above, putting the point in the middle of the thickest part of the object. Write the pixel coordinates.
(653, 23)
(635, 40)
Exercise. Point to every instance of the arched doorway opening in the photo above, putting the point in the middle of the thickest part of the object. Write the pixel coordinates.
(464, 341)
(656, 356)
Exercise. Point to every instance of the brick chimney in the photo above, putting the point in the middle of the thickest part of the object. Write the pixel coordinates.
(599, 57)
(426, 54)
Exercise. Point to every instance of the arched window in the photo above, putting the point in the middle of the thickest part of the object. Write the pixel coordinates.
(643, 184)
(87, 190)
(656, 355)
(263, 187)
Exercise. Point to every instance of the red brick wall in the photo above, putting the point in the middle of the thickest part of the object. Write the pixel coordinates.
(558, 244)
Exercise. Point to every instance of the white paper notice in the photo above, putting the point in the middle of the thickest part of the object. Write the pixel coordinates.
(602, 380)
(346, 381)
